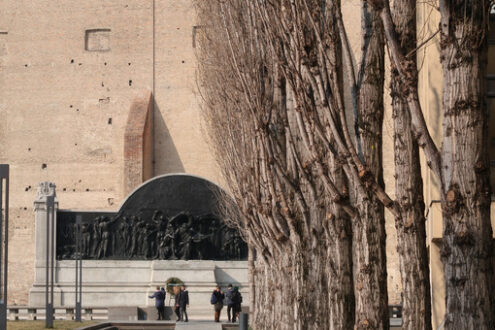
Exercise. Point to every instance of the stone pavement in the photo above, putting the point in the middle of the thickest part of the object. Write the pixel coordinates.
(191, 325)
(198, 325)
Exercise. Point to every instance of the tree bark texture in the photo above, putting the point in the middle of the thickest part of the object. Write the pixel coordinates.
(369, 256)
(407, 70)
(251, 280)
(340, 284)
(461, 166)
(467, 244)
(410, 224)
(311, 195)
(261, 115)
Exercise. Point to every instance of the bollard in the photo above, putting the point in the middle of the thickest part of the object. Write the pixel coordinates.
(50, 256)
(243, 321)
(4, 242)
(78, 268)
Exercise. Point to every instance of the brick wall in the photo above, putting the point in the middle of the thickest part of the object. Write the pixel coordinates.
(138, 142)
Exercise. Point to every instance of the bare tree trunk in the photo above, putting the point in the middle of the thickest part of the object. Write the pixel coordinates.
(340, 285)
(410, 225)
(286, 295)
(369, 259)
(274, 99)
(462, 166)
(467, 245)
(252, 283)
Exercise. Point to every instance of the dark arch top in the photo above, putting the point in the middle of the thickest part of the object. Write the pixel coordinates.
(173, 194)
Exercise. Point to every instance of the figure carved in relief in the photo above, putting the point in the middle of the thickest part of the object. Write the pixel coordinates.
(183, 236)
(106, 236)
(125, 233)
(86, 239)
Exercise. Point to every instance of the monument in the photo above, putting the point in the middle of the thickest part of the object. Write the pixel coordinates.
(170, 226)
(169, 218)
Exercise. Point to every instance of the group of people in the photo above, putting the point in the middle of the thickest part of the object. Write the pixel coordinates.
(232, 298)
(180, 306)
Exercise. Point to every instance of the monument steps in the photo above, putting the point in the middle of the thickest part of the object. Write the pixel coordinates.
(130, 325)
(139, 327)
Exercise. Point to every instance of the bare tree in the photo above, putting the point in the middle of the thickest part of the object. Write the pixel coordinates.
(276, 169)
(467, 248)
(461, 165)
(410, 221)
(370, 268)
(311, 194)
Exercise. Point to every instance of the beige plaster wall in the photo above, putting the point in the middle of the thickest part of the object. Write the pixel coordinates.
(430, 87)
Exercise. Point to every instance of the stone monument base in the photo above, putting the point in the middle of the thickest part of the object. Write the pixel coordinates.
(129, 283)
(126, 313)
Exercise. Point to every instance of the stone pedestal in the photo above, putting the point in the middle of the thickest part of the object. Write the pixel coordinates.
(123, 313)
(121, 283)
(45, 190)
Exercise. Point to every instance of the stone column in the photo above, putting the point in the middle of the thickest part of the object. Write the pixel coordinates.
(45, 190)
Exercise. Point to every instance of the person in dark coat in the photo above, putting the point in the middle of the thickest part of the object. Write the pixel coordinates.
(217, 298)
(176, 304)
(183, 303)
(236, 299)
(159, 297)
(228, 301)
(162, 289)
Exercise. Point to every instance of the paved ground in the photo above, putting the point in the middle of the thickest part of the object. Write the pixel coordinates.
(198, 325)
(40, 325)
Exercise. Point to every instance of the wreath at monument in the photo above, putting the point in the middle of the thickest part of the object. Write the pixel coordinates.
(173, 285)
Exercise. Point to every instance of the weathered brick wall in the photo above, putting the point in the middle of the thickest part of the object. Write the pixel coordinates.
(138, 142)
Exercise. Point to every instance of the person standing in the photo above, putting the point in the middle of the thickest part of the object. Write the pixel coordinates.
(176, 304)
(217, 301)
(228, 301)
(236, 299)
(159, 297)
(183, 303)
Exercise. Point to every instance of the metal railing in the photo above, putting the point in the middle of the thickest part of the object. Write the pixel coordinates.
(27, 313)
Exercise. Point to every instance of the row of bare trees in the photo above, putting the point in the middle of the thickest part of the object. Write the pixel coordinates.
(306, 169)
